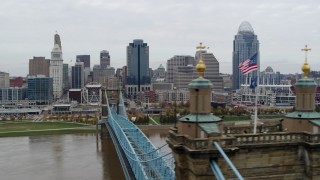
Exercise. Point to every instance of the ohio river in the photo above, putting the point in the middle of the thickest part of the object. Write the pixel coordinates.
(63, 157)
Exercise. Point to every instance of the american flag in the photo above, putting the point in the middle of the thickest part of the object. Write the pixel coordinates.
(249, 65)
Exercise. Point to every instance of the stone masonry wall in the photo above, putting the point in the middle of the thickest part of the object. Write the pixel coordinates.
(273, 162)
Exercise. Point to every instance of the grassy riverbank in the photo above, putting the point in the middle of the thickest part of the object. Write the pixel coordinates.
(10, 129)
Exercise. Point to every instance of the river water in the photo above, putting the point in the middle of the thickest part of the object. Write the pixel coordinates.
(63, 157)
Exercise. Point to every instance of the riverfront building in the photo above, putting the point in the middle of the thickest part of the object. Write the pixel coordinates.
(40, 89)
(245, 45)
(13, 94)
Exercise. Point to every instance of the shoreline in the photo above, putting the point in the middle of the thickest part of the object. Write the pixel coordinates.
(73, 130)
(47, 132)
(25, 128)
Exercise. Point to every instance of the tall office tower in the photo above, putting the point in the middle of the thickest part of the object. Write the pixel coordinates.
(4, 80)
(85, 59)
(39, 66)
(138, 63)
(77, 75)
(65, 77)
(177, 61)
(56, 67)
(40, 89)
(104, 58)
(245, 45)
(212, 70)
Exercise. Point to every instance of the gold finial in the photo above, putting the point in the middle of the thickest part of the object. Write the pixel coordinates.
(200, 67)
(306, 68)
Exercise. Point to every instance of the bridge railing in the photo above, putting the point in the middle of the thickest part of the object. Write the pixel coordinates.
(247, 139)
(270, 138)
(146, 161)
(156, 162)
(137, 168)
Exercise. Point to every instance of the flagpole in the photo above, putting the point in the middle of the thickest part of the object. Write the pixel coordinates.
(256, 107)
(246, 67)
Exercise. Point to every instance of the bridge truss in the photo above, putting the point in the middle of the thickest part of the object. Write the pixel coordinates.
(146, 161)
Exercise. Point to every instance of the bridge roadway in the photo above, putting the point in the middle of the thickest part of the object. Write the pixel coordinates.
(122, 157)
(138, 156)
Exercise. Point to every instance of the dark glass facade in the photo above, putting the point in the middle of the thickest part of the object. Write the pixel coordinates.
(138, 63)
(65, 77)
(12, 94)
(85, 59)
(77, 76)
(40, 88)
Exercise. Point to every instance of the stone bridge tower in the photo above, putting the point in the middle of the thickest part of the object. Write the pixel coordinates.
(304, 118)
(291, 152)
(193, 163)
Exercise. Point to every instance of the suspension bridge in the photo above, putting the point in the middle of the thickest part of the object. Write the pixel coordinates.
(139, 158)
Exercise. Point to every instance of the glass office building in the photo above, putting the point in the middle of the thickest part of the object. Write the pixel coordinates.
(138, 63)
(77, 75)
(245, 45)
(40, 88)
(13, 93)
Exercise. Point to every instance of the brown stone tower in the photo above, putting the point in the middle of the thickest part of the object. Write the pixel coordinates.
(196, 128)
(200, 122)
(304, 115)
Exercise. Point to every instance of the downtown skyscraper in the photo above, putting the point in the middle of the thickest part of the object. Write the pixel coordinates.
(56, 67)
(138, 63)
(245, 45)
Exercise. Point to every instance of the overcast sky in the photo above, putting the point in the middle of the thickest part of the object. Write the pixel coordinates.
(170, 27)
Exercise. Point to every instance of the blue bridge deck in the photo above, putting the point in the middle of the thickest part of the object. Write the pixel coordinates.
(135, 149)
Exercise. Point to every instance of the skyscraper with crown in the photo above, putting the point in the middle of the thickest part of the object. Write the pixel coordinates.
(245, 45)
(56, 67)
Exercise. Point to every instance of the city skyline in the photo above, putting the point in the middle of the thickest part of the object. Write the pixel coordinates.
(170, 28)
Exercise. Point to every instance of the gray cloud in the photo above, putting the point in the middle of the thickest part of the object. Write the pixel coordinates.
(170, 27)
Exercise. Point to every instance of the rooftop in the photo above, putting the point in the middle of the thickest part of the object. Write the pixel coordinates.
(245, 28)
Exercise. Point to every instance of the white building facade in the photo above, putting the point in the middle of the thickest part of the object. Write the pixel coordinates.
(56, 69)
